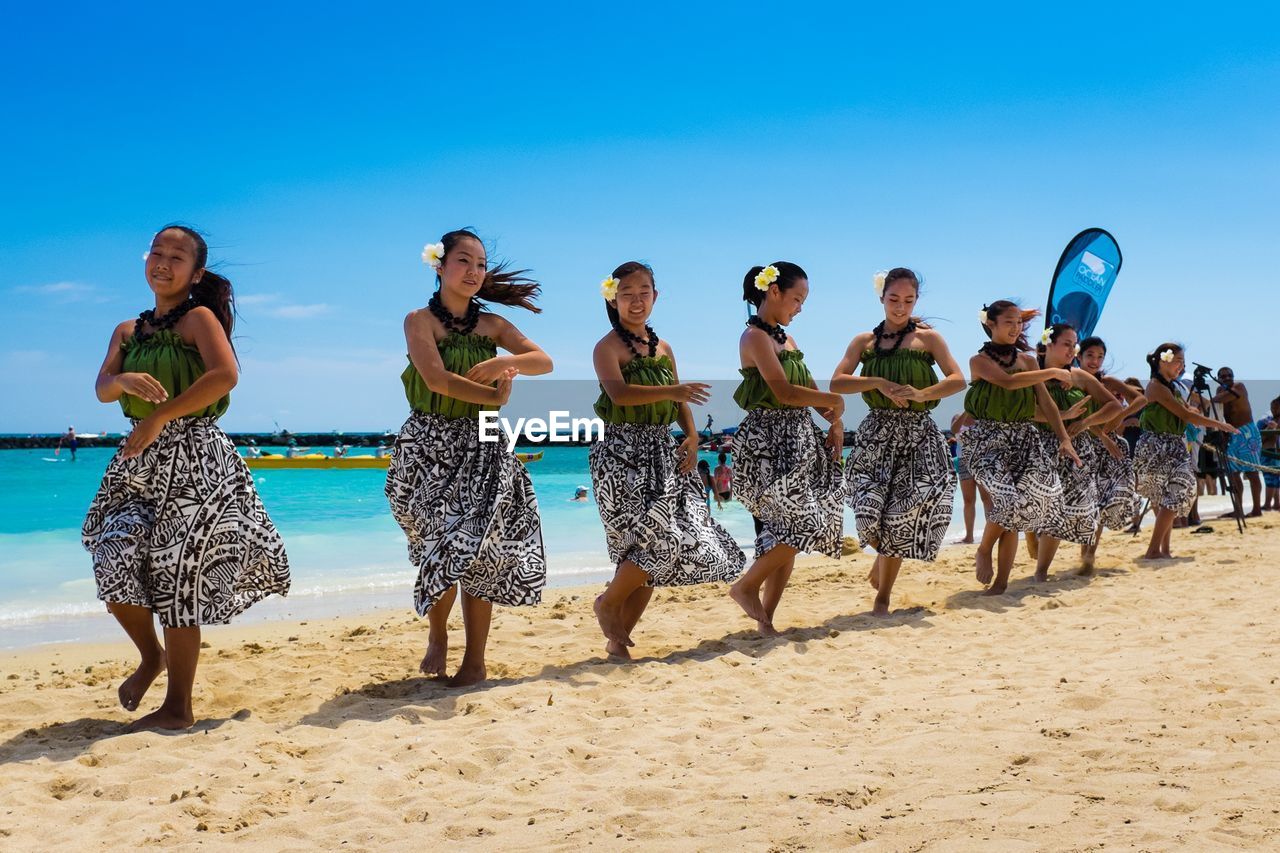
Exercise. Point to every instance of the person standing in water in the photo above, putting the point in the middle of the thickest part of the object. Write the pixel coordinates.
(466, 506)
(658, 527)
(898, 479)
(788, 475)
(177, 530)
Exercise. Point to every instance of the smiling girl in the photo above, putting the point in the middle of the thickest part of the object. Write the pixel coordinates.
(1002, 448)
(787, 472)
(657, 523)
(1083, 405)
(467, 507)
(1161, 463)
(176, 529)
(898, 478)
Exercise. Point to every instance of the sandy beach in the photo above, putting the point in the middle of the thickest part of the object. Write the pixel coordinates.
(1135, 709)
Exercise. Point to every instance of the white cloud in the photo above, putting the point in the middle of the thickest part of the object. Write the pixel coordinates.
(64, 291)
(271, 305)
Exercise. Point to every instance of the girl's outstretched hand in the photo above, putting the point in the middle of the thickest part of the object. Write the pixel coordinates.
(1077, 410)
(142, 436)
(143, 386)
(488, 371)
(696, 393)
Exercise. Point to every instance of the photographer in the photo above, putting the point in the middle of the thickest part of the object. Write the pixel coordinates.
(1244, 450)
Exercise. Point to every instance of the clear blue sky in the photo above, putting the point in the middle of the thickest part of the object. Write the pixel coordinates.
(321, 147)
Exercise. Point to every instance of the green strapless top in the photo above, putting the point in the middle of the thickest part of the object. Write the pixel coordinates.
(459, 353)
(642, 370)
(1064, 398)
(992, 403)
(173, 363)
(754, 393)
(912, 367)
(1156, 418)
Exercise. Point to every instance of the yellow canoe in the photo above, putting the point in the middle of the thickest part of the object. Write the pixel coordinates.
(319, 460)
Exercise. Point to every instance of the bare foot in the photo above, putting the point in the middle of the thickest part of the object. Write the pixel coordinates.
(1257, 513)
(873, 577)
(617, 650)
(433, 662)
(1041, 575)
(766, 629)
(1152, 556)
(468, 675)
(968, 540)
(880, 610)
(133, 688)
(984, 570)
(996, 589)
(610, 623)
(749, 602)
(1085, 571)
(164, 719)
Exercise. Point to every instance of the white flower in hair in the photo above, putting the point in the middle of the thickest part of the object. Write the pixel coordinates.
(1166, 355)
(982, 316)
(766, 277)
(433, 255)
(146, 256)
(1046, 337)
(1077, 350)
(609, 288)
(878, 280)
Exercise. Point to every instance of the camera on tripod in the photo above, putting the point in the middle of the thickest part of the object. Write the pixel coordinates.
(1200, 378)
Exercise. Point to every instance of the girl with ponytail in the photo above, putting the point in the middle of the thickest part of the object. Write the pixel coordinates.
(1002, 448)
(1118, 499)
(658, 527)
(467, 507)
(899, 479)
(1161, 463)
(1083, 406)
(177, 530)
(788, 476)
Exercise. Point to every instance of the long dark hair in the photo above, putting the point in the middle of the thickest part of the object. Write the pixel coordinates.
(1055, 331)
(501, 285)
(213, 291)
(788, 275)
(995, 309)
(621, 272)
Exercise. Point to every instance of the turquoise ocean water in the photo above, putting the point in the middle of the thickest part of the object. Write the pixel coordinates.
(346, 552)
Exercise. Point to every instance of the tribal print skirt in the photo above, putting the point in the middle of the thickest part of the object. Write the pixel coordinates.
(180, 529)
(1009, 460)
(1162, 471)
(1077, 520)
(469, 512)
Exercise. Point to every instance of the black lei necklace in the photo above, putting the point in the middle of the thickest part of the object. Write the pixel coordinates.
(158, 324)
(775, 332)
(650, 341)
(1005, 355)
(464, 325)
(896, 337)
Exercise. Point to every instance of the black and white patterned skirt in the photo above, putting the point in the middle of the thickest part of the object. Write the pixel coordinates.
(1010, 461)
(1162, 472)
(899, 481)
(469, 512)
(785, 477)
(180, 529)
(1078, 519)
(1118, 498)
(655, 516)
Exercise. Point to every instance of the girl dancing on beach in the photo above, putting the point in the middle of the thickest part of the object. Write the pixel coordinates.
(657, 524)
(176, 529)
(467, 507)
(1083, 406)
(1161, 463)
(788, 476)
(1002, 448)
(899, 479)
(1118, 498)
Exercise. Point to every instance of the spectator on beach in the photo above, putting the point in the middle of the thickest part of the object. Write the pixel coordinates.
(722, 481)
(1271, 455)
(1244, 450)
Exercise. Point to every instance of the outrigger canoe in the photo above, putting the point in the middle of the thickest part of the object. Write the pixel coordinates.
(319, 460)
